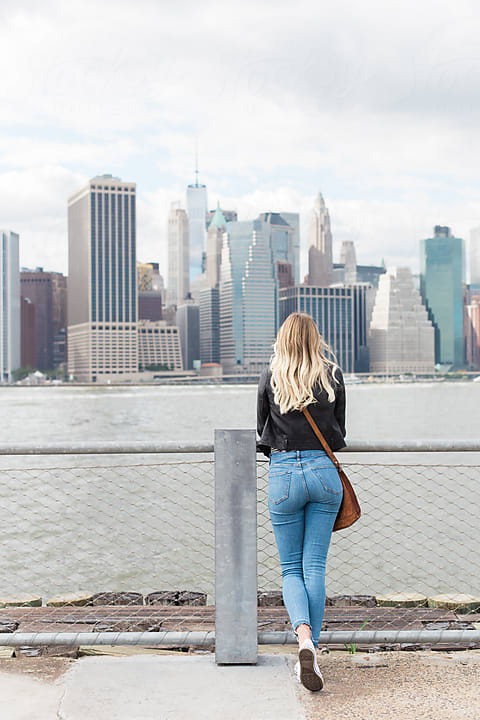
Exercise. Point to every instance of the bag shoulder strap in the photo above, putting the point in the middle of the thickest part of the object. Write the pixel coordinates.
(318, 433)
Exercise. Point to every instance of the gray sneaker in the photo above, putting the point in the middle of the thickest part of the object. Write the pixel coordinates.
(306, 669)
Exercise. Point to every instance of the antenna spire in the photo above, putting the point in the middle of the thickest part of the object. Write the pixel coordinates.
(196, 162)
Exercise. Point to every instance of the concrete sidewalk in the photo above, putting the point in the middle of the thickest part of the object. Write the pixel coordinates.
(426, 685)
(411, 685)
(152, 687)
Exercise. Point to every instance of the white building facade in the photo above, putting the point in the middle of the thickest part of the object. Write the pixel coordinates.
(159, 344)
(178, 255)
(401, 336)
(475, 260)
(9, 305)
(320, 253)
(102, 281)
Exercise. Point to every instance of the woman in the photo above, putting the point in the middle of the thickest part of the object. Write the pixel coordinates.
(304, 488)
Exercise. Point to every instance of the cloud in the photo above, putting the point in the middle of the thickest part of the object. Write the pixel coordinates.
(34, 204)
(375, 104)
(25, 152)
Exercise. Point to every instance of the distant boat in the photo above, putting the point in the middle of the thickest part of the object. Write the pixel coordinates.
(477, 379)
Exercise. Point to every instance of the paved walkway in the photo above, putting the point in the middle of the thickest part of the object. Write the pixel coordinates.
(405, 685)
(425, 685)
(152, 687)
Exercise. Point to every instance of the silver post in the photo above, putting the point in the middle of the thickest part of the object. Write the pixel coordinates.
(235, 547)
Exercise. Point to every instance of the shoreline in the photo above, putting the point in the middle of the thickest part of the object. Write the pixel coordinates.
(469, 377)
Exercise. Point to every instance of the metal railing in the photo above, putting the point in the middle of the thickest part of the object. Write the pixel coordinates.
(116, 545)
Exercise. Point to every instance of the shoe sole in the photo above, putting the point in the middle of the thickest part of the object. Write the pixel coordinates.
(308, 676)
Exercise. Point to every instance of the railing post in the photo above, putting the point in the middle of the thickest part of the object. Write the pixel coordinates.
(235, 547)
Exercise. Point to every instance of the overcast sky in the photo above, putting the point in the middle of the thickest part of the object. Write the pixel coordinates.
(374, 104)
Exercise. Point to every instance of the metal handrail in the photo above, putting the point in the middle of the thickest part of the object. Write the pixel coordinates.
(117, 447)
(207, 638)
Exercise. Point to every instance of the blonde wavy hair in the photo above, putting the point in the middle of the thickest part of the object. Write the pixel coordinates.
(299, 362)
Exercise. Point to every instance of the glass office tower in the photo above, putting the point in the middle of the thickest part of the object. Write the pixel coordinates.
(441, 286)
(102, 281)
(248, 297)
(285, 239)
(197, 213)
(334, 312)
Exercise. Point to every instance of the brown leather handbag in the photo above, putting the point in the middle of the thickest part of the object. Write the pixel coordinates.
(349, 510)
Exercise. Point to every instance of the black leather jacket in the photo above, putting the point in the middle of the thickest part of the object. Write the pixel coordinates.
(292, 431)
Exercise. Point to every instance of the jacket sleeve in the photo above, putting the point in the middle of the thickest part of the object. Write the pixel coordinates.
(263, 407)
(340, 401)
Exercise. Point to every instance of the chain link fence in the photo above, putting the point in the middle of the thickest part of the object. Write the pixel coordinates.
(411, 562)
(116, 543)
(107, 544)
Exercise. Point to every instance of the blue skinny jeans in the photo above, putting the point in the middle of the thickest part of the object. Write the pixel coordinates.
(304, 495)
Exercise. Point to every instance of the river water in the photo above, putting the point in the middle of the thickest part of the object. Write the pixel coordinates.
(146, 522)
(160, 413)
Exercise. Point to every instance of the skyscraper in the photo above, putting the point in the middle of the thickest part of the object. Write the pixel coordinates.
(10, 322)
(48, 293)
(27, 314)
(149, 300)
(209, 296)
(216, 229)
(475, 261)
(188, 322)
(293, 219)
(348, 258)
(197, 213)
(283, 271)
(320, 260)
(158, 283)
(102, 288)
(38, 287)
(441, 287)
(59, 318)
(209, 316)
(248, 297)
(472, 333)
(401, 336)
(178, 255)
(144, 277)
(340, 315)
(284, 238)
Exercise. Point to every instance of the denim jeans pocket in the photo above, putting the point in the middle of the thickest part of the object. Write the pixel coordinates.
(329, 477)
(279, 486)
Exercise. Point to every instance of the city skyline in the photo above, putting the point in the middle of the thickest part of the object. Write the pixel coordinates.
(252, 291)
(338, 250)
(388, 134)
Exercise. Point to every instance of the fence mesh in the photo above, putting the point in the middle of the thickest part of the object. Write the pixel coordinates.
(112, 546)
(411, 562)
(128, 545)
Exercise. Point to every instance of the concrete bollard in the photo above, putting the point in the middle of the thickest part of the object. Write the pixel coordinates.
(235, 547)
